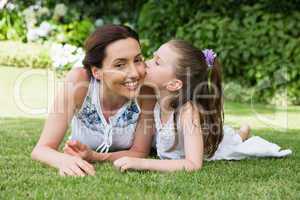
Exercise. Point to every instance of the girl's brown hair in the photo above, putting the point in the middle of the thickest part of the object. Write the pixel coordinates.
(193, 71)
(97, 42)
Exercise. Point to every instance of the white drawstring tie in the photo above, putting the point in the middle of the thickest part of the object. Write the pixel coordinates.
(107, 141)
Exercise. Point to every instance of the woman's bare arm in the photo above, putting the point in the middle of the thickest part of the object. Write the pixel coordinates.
(71, 93)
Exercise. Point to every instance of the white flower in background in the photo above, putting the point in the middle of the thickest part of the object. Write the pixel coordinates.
(99, 22)
(37, 6)
(30, 17)
(60, 10)
(10, 6)
(32, 35)
(65, 56)
(60, 37)
(80, 56)
(3, 3)
(43, 11)
(116, 21)
(69, 48)
(43, 30)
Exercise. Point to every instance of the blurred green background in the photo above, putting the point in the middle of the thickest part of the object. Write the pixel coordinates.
(257, 42)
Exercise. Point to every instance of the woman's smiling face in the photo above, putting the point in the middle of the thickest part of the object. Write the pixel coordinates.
(161, 67)
(123, 69)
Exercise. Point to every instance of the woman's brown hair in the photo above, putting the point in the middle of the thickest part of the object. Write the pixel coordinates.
(96, 43)
(193, 71)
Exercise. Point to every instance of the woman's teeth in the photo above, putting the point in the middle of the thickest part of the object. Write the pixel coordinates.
(131, 85)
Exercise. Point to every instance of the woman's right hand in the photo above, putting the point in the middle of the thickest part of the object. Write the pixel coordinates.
(75, 166)
(76, 148)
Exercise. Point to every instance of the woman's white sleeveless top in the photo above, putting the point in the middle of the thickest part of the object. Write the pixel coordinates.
(90, 127)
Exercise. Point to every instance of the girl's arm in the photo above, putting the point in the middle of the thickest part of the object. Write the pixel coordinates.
(142, 140)
(56, 126)
(193, 147)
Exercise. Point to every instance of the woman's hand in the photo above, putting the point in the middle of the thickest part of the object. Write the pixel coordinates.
(126, 163)
(75, 166)
(76, 148)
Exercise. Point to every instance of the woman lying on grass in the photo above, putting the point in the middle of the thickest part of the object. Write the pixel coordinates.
(102, 102)
(189, 112)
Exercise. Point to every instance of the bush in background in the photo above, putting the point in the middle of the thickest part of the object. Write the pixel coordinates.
(12, 25)
(65, 22)
(258, 42)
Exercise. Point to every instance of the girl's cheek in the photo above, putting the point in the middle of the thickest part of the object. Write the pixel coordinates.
(151, 72)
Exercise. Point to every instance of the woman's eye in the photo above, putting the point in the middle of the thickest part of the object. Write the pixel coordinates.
(156, 63)
(138, 60)
(119, 65)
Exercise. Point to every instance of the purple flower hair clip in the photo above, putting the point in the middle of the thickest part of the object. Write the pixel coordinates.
(210, 56)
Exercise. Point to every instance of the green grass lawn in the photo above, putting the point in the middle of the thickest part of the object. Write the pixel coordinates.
(22, 178)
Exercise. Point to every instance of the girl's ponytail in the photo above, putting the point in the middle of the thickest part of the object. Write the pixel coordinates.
(212, 108)
(200, 73)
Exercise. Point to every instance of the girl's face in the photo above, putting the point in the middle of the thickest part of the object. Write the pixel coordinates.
(161, 68)
(123, 68)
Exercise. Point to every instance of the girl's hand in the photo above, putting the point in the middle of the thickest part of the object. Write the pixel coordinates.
(75, 166)
(76, 148)
(126, 163)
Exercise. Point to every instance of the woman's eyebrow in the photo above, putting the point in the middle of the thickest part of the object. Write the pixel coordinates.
(119, 59)
(125, 59)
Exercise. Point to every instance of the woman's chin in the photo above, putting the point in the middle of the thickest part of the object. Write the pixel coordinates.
(132, 95)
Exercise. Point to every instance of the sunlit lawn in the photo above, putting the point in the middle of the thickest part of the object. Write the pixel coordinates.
(22, 178)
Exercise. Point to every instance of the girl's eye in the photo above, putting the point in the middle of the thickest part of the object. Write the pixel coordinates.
(156, 63)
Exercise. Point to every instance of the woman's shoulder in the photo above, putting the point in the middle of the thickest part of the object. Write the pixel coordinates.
(77, 75)
(79, 80)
